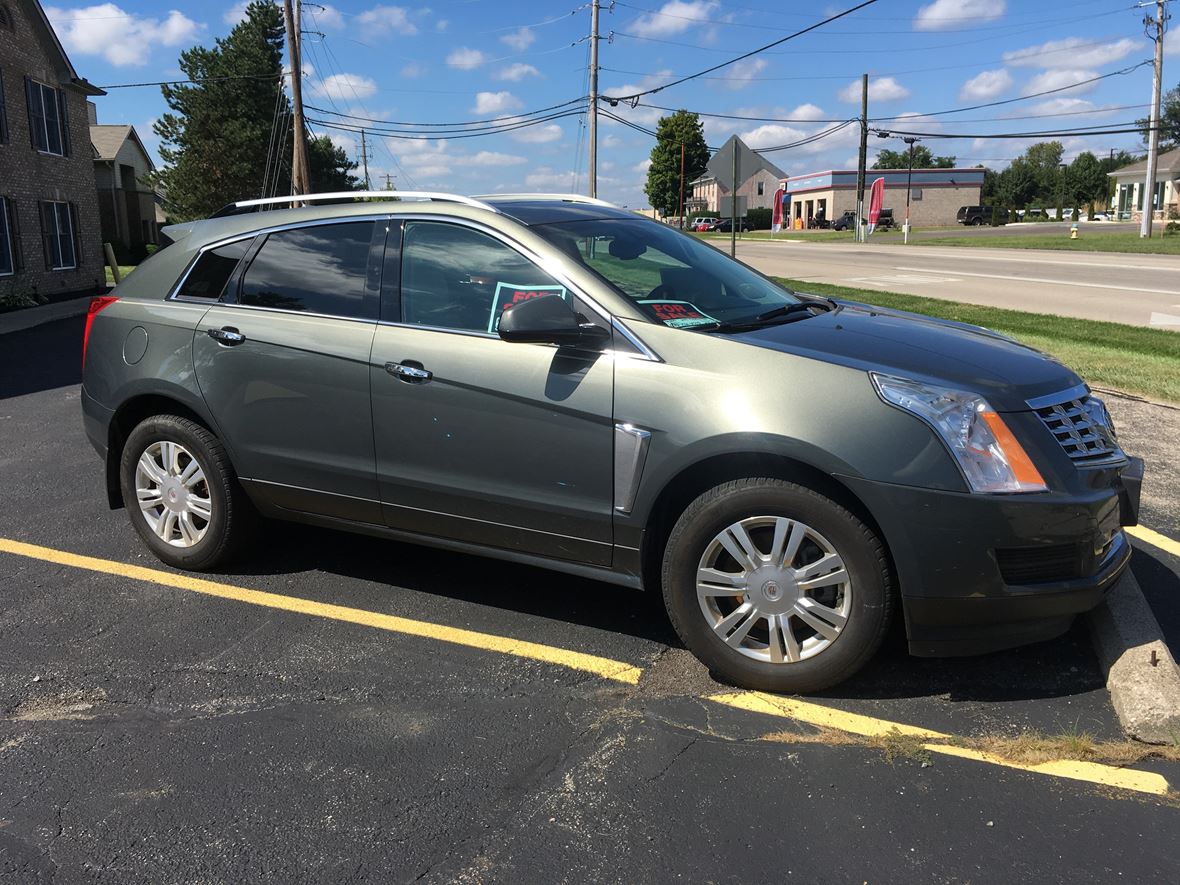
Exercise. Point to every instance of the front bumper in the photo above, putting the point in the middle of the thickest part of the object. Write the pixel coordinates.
(980, 573)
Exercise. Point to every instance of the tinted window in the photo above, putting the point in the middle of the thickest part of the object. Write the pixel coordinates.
(457, 278)
(213, 270)
(319, 269)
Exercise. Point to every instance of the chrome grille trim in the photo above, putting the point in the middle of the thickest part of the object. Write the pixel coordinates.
(1084, 439)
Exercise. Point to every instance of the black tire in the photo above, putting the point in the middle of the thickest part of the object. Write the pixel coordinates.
(231, 513)
(864, 558)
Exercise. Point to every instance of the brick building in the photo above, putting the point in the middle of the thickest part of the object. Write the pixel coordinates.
(935, 197)
(759, 179)
(49, 221)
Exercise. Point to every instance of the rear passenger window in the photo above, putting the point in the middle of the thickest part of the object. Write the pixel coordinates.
(318, 269)
(212, 271)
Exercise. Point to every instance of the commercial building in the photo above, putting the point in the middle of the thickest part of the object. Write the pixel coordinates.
(1130, 184)
(935, 198)
(49, 222)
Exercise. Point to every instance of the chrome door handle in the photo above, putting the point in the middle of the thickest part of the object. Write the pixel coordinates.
(410, 372)
(226, 335)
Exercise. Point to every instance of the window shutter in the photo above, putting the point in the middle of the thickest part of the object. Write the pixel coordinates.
(18, 254)
(3, 113)
(46, 232)
(76, 234)
(29, 87)
(64, 113)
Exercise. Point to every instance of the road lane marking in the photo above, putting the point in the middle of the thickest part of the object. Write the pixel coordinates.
(1164, 319)
(1050, 282)
(617, 671)
(1155, 539)
(937, 742)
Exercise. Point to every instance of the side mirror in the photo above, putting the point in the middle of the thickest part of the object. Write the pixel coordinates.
(549, 320)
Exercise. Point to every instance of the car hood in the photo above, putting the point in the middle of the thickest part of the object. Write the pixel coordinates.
(937, 351)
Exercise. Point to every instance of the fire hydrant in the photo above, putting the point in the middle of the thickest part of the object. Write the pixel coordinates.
(1073, 231)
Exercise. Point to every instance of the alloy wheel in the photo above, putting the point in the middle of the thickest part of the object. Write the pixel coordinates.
(173, 493)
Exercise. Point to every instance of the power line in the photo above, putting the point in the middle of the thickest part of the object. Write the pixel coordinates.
(449, 136)
(200, 80)
(451, 125)
(614, 100)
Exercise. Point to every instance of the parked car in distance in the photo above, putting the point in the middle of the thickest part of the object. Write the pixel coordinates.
(977, 215)
(555, 381)
(847, 221)
(885, 220)
(704, 223)
(725, 225)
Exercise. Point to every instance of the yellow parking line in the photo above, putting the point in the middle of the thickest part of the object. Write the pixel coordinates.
(617, 671)
(1155, 539)
(868, 726)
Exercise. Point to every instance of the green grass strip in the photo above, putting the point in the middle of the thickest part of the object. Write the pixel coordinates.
(1134, 359)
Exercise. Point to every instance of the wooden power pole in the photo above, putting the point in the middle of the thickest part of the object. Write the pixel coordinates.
(300, 171)
(1158, 24)
(592, 172)
(863, 158)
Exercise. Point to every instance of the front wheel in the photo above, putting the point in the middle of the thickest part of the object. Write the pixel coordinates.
(776, 587)
(181, 493)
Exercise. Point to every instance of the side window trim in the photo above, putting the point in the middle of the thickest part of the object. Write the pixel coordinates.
(391, 274)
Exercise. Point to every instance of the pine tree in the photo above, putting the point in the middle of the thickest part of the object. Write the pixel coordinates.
(663, 176)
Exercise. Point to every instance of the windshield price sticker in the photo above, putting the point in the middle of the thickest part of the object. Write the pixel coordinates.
(508, 294)
(679, 314)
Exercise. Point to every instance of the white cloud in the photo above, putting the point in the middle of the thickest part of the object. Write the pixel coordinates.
(413, 70)
(323, 16)
(772, 133)
(880, 89)
(986, 85)
(741, 74)
(1059, 78)
(516, 72)
(383, 19)
(1172, 41)
(543, 133)
(493, 158)
(547, 178)
(495, 103)
(639, 114)
(611, 141)
(466, 59)
(519, 40)
(344, 141)
(1067, 54)
(1059, 106)
(642, 166)
(118, 36)
(674, 17)
(807, 111)
(441, 25)
(343, 87)
(234, 14)
(943, 15)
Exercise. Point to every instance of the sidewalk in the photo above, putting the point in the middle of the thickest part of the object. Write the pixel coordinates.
(18, 320)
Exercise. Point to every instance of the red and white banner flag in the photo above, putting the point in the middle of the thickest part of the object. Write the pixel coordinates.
(876, 201)
(776, 218)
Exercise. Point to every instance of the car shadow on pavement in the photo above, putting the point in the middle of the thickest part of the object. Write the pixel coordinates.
(42, 358)
(1062, 667)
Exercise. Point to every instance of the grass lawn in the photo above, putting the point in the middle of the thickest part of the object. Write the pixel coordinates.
(1134, 359)
(124, 269)
(1089, 240)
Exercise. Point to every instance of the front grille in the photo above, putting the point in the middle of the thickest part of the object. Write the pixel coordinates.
(1039, 565)
(1080, 426)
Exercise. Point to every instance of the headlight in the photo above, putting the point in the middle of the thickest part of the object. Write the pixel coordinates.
(988, 454)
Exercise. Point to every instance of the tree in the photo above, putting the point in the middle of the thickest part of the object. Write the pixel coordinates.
(663, 176)
(989, 192)
(217, 143)
(1169, 121)
(1084, 180)
(923, 159)
(1016, 186)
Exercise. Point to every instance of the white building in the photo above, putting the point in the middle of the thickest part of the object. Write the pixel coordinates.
(1129, 187)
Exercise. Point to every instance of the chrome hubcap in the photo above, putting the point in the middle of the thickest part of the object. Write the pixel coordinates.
(173, 493)
(774, 589)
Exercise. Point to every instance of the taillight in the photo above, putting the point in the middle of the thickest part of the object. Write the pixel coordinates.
(101, 303)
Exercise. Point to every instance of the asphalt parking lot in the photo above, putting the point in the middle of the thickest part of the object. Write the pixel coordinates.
(340, 708)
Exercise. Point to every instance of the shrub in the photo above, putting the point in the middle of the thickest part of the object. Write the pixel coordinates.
(759, 219)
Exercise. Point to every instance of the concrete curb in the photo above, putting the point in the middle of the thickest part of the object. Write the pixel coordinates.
(1127, 637)
(19, 320)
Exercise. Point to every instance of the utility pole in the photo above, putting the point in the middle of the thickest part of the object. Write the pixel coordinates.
(864, 157)
(1159, 23)
(300, 173)
(365, 161)
(682, 185)
(388, 182)
(909, 180)
(592, 172)
(733, 197)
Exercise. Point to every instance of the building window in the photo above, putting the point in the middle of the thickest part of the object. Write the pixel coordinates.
(6, 18)
(47, 118)
(57, 233)
(761, 188)
(7, 240)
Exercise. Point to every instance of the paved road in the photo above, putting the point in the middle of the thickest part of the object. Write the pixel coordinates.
(149, 733)
(1136, 289)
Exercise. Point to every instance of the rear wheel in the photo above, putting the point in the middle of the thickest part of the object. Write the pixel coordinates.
(181, 493)
(776, 587)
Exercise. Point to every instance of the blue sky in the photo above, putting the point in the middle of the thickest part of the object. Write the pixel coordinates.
(463, 60)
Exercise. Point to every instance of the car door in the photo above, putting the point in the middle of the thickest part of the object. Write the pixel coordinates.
(477, 439)
(283, 365)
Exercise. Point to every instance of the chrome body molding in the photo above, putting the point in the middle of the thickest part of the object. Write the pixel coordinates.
(630, 454)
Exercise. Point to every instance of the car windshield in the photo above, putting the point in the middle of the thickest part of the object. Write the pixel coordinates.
(672, 278)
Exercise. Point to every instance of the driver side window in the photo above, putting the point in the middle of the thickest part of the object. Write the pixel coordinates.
(453, 277)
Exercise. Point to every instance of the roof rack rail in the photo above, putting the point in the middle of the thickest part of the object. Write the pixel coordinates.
(571, 198)
(253, 205)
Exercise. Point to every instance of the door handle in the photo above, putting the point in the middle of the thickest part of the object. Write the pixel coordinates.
(409, 372)
(227, 335)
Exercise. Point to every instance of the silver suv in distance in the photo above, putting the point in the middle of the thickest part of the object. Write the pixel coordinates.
(556, 381)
